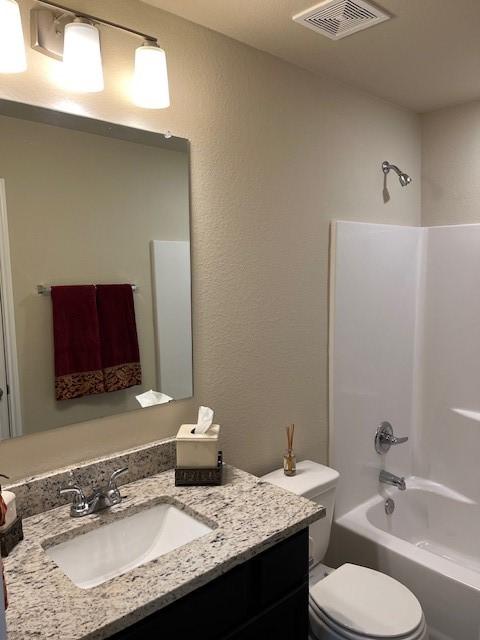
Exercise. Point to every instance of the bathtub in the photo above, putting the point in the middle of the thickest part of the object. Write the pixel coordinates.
(430, 543)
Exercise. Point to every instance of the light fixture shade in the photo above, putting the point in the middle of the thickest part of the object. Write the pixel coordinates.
(12, 46)
(150, 82)
(82, 59)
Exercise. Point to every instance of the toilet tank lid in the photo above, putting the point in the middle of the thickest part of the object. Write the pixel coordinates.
(311, 479)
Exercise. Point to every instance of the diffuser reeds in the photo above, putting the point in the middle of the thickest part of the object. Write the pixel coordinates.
(289, 462)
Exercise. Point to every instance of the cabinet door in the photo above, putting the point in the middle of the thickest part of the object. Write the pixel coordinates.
(280, 570)
(207, 613)
(287, 620)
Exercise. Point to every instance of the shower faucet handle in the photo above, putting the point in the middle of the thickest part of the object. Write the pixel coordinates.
(384, 438)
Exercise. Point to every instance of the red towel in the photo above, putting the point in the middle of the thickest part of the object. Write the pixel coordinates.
(78, 362)
(118, 336)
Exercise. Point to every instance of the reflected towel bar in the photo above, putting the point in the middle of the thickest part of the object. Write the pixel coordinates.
(45, 290)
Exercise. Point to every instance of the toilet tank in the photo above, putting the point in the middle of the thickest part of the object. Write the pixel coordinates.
(315, 482)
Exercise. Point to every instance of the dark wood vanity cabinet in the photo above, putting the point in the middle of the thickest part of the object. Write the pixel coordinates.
(264, 598)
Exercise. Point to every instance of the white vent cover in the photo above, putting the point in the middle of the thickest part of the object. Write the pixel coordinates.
(339, 18)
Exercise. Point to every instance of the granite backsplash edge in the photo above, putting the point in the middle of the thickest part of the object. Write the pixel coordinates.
(40, 493)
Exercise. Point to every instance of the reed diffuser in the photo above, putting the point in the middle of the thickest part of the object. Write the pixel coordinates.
(289, 460)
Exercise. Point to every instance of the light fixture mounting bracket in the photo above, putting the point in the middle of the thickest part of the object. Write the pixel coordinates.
(47, 28)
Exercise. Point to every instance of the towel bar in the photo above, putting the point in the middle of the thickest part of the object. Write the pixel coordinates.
(44, 290)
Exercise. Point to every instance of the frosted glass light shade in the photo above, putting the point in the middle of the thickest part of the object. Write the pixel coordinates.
(12, 46)
(82, 59)
(150, 81)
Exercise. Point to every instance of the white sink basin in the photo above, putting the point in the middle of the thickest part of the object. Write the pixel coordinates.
(115, 548)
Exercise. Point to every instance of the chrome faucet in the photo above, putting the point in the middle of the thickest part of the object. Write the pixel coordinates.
(100, 499)
(389, 478)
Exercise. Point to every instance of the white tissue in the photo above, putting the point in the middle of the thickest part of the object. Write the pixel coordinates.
(151, 398)
(205, 419)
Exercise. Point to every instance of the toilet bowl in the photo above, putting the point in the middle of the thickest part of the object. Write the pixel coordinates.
(351, 602)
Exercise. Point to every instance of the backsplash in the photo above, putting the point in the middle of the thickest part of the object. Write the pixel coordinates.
(41, 493)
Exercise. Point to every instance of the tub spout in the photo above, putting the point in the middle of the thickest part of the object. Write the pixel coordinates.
(389, 478)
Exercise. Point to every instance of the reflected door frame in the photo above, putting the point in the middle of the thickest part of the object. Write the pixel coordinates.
(5, 421)
(10, 406)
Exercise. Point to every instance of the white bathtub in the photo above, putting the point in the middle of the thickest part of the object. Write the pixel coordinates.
(431, 543)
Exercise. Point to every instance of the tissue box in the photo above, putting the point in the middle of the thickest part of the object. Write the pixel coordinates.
(199, 476)
(197, 450)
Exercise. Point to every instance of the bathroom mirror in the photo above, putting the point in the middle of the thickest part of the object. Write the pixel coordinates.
(86, 202)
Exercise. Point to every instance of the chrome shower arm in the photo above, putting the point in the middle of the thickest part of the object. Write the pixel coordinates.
(386, 166)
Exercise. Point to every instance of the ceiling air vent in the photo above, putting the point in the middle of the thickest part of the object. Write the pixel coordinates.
(339, 18)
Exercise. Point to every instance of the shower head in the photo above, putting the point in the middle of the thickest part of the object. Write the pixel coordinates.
(404, 178)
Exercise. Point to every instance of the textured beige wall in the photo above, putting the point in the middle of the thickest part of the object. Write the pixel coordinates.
(451, 165)
(276, 153)
(83, 208)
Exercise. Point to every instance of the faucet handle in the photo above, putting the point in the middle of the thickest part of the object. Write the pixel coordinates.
(384, 438)
(113, 492)
(112, 483)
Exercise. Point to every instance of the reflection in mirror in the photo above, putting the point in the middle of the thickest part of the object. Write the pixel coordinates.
(84, 204)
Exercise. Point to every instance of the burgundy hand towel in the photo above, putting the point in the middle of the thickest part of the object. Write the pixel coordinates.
(118, 336)
(78, 362)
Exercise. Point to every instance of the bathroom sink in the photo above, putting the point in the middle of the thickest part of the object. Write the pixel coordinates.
(115, 548)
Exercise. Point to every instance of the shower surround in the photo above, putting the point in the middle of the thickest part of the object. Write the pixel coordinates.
(405, 347)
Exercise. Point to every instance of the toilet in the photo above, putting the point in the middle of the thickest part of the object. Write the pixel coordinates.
(351, 602)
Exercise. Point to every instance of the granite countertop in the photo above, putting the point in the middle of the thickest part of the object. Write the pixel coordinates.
(248, 516)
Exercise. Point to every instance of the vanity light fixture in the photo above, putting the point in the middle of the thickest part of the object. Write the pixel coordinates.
(150, 82)
(12, 46)
(73, 36)
(82, 60)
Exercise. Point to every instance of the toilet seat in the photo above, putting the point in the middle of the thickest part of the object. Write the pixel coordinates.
(356, 603)
(324, 629)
